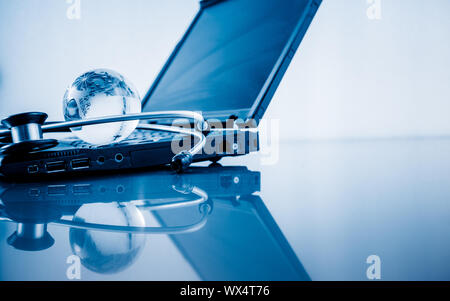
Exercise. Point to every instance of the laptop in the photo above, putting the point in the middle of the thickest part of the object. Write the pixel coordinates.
(237, 240)
(227, 66)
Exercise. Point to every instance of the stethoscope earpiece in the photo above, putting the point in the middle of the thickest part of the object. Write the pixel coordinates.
(26, 133)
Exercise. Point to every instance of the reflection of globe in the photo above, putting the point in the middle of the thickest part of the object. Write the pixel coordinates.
(107, 252)
(97, 93)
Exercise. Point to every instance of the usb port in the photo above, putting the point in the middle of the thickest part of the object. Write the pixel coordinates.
(57, 190)
(33, 169)
(80, 163)
(34, 192)
(56, 166)
(82, 189)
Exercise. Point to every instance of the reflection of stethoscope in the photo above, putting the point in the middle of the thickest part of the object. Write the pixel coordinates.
(204, 209)
(25, 131)
(33, 235)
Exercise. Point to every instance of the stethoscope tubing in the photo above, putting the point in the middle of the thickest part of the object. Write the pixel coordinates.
(51, 127)
(196, 131)
(166, 128)
(203, 198)
(61, 126)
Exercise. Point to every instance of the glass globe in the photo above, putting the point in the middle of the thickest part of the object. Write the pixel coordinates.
(107, 252)
(98, 93)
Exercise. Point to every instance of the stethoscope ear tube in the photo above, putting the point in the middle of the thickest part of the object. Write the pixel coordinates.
(61, 126)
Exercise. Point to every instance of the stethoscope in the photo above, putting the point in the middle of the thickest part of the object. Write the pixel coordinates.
(24, 133)
(204, 209)
(37, 232)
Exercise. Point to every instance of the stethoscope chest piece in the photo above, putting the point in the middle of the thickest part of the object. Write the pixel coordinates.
(26, 133)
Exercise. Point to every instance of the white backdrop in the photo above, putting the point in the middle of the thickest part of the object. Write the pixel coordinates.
(353, 76)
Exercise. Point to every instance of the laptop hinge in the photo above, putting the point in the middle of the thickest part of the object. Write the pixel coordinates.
(208, 3)
(234, 123)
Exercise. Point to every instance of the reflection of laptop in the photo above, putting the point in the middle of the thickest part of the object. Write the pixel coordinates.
(152, 187)
(240, 240)
(227, 66)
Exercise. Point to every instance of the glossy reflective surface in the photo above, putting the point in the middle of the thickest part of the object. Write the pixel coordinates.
(317, 212)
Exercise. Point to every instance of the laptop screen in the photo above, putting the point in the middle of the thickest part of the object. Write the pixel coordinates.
(226, 58)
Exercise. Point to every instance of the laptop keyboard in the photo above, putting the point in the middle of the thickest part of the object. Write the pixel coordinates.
(149, 135)
(138, 136)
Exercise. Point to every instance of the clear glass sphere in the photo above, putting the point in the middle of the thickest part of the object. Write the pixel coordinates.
(102, 251)
(98, 93)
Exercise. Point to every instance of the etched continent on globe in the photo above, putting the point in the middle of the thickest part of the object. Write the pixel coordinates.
(98, 93)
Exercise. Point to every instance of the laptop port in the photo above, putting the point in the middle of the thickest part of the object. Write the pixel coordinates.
(101, 160)
(118, 157)
(80, 163)
(34, 192)
(33, 169)
(56, 166)
(225, 181)
(57, 190)
(120, 189)
(82, 189)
